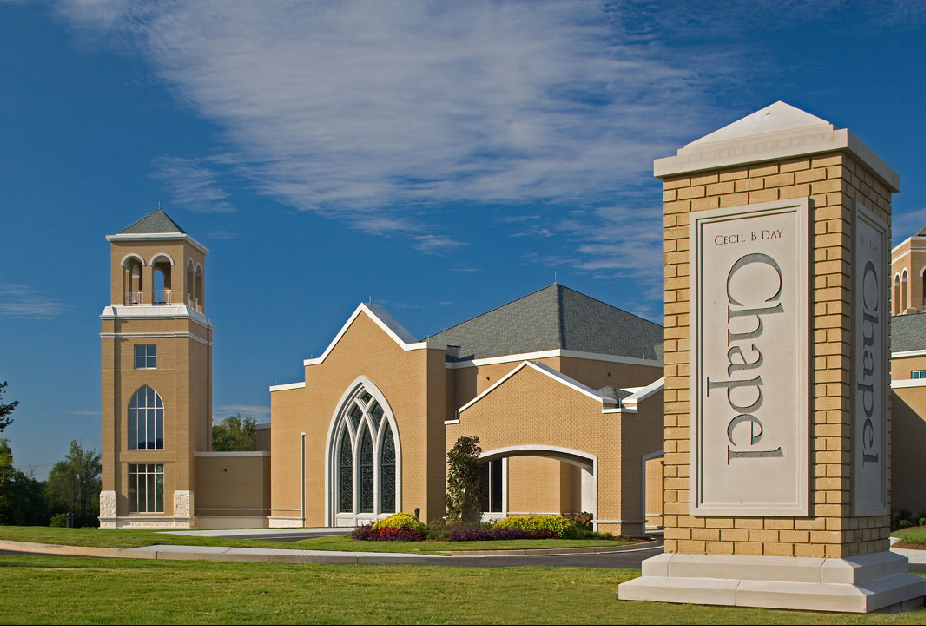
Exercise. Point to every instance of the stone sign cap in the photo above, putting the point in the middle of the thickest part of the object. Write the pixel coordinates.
(778, 131)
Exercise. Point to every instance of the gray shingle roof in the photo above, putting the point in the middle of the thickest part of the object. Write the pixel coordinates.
(553, 318)
(155, 222)
(908, 332)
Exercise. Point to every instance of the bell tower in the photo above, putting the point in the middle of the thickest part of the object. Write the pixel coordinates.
(157, 375)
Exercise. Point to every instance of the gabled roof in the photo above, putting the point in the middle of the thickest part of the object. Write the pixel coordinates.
(155, 222)
(396, 331)
(553, 318)
(908, 332)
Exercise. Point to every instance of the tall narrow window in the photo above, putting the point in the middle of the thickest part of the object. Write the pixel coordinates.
(146, 488)
(364, 457)
(146, 420)
(366, 472)
(346, 475)
(387, 473)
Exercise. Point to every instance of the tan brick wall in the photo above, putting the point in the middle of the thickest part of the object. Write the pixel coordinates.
(534, 485)
(832, 181)
(908, 413)
(909, 255)
(288, 417)
(531, 408)
(654, 491)
(903, 368)
(413, 384)
(232, 485)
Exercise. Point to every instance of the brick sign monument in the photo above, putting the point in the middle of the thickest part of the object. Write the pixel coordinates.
(777, 429)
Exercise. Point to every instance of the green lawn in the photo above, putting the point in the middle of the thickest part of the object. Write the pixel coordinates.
(110, 591)
(94, 537)
(911, 537)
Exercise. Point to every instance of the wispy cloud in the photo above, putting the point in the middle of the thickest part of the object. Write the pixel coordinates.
(258, 411)
(907, 223)
(223, 234)
(90, 413)
(193, 184)
(24, 301)
(380, 113)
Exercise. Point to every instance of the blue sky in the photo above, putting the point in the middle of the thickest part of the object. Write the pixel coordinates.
(441, 158)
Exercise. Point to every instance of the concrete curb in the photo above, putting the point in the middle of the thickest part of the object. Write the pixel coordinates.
(282, 555)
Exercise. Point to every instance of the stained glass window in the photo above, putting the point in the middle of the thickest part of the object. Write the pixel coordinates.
(366, 472)
(346, 475)
(387, 473)
(375, 479)
(376, 413)
(355, 415)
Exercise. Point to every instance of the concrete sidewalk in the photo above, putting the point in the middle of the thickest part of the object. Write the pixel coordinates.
(283, 555)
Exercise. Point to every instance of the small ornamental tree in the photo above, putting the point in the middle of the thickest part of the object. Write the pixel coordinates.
(464, 486)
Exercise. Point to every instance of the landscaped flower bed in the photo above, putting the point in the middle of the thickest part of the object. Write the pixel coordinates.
(405, 527)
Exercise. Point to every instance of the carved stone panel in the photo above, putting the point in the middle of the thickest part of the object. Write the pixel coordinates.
(750, 347)
(871, 281)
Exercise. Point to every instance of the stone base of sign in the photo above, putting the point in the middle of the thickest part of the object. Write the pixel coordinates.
(860, 584)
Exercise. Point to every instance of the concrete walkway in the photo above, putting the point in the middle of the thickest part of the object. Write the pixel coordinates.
(619, 556)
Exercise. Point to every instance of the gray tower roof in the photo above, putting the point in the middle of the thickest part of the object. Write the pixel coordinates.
(155, 222)
(553, 318)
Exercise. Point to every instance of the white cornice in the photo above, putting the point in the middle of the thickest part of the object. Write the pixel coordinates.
(154, 312)
(909, 382)
(544, 354)
(907, 353)
(158, 236)
(287, 386)
(232, 454)
(396, 332)
(174, 335)
(750, 140)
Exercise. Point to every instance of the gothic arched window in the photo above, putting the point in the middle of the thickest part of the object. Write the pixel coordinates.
(363, 459)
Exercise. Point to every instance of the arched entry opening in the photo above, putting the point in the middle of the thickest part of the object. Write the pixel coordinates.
(514, 482)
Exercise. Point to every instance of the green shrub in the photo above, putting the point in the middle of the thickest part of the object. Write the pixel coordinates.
(59, 520)
(564, 528)
(400, 520)
(438, 530)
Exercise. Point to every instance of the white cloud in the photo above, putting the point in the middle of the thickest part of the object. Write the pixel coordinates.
(193, 184)
(907, 223)
(381, 112)
(258, 411)
(24, 301)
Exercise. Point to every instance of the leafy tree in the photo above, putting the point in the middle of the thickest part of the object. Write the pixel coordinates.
(5, 409)
(74, 484)
(465, 490)
(22, 498)
(235, 434)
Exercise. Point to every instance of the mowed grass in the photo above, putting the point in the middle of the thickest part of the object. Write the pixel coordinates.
(911, 537)
(114, 591)
(124, 538)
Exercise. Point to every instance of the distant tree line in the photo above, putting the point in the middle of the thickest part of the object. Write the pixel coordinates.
(73, 485)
